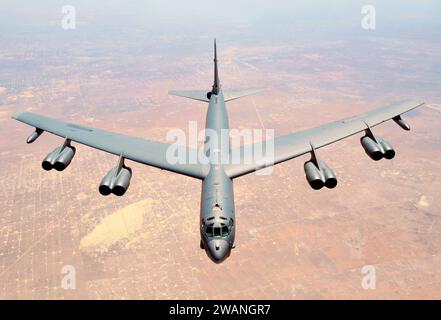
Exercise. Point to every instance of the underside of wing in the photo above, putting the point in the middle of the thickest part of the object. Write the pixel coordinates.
(156, 154)
(296, 144)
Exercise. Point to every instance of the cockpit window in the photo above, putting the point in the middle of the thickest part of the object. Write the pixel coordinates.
(217, 231)
(209, 230)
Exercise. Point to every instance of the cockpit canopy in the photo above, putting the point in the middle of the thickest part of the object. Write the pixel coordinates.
(217, 229)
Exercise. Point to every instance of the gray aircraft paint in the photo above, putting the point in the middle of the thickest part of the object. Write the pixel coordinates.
(217, 200)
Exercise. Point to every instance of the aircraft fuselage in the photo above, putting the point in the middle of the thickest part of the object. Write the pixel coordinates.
(217, 217)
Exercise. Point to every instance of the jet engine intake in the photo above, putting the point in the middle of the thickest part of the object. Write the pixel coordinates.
(116, 181)
(330, 178)
(105, 187)
(320, 177)
(388, 150)
(377, 150)
(122, 182)
(59, 159)
(64, 159)
(314, 176)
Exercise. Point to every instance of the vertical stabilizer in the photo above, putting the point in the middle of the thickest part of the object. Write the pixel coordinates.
(203, 95)
(216, 83)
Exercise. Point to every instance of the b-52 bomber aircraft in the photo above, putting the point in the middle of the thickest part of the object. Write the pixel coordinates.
(217, 213)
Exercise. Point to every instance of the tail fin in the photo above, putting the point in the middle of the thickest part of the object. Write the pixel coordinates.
(201, 95)
(229, 94)
(216, 83)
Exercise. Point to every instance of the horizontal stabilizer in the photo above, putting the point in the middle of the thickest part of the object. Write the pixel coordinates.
(233, 94)
(199, 95)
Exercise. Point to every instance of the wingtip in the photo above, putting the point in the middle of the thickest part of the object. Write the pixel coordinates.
(259, 90)
(17, 115)
(413, 101)
(173, 93)
(419, 102)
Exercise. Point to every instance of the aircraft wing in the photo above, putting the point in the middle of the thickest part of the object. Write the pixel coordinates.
(299, 143)
(143, 151)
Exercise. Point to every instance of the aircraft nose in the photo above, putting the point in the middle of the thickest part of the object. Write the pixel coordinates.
(219, 250)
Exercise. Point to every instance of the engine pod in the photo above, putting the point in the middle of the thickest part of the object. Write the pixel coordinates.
(388, 150)
(64, 158)
(122, 182)
(49, 160)
(314, 177)
(372, 149)
(106, 184)
(329, 175)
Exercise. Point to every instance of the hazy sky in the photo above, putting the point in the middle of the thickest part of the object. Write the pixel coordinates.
(226, 18)
(125, 30)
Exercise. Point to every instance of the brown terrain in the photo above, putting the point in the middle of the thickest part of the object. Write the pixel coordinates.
(292, 242)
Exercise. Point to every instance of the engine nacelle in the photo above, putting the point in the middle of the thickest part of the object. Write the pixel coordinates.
(314, 176)
(372, 149)
(65, 158)
(59, 159)
(330, 177)
(377, 151)
(49, 160)
(105, 187)
(122, 181)
(116, 181)
(318, 178)
(388, 150)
